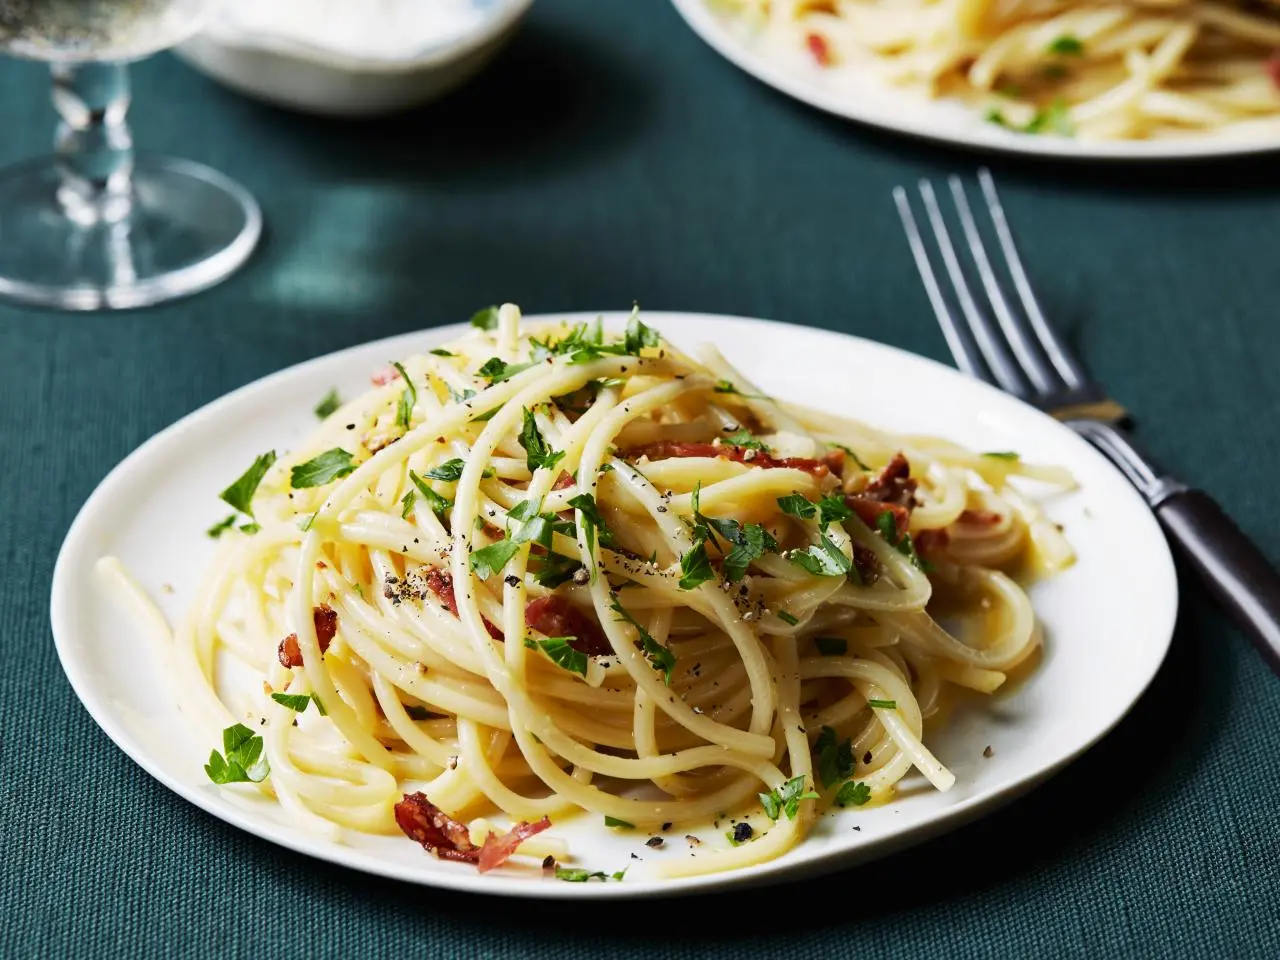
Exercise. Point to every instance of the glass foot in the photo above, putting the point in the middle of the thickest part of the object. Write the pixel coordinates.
(184, 228)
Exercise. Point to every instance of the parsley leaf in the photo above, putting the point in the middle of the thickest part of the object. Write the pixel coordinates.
(486, 319)
(406, 505)
(661, 658)
(534, 528)
(457, 397)
(822, 559)
(745, 439)
(325, 468)
(451, 471)
(797, 506)
(437, 503)
(1066, 46)
(240, 494)
(408, 398)
(221, 527)
(750, 543)
(562, 655)
(441, 352)
(615, 822)
(538, 452)
(250, 528)
(831, 646)
(296, 702)
(888, 528)
(328, 403)
(835, 760)
(1003, 455)
(580, 875)
(787, 618)
(638, 336)
(487, 561)
(496, 370)
(833, 509)
(1055, 118)
(883, 704)
(244, 761)
(592, 525)
(556, 569)
(853, 794)
(786, 799)
(695, 568)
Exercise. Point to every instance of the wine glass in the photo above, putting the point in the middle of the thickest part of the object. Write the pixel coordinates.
(95, 227)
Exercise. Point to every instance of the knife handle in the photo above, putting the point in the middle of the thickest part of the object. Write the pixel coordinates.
(1229, 563)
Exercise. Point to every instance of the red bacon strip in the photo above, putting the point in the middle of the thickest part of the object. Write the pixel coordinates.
(818, 46)
(668, 449)
(326, 623)
(869, 511)
(440, 583)
(980, 518)
(384, 376)
(440, 834)
(557, 617)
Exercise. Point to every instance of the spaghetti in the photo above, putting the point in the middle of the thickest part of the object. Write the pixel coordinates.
(1094, 70)
(547, 571)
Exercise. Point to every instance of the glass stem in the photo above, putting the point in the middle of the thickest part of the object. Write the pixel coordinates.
(93, 145)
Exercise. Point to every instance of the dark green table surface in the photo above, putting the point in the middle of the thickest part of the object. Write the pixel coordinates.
(609, 156)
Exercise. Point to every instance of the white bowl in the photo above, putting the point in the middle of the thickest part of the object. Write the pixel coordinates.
(305, 76)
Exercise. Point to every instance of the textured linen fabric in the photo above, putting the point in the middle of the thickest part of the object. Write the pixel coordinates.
(610, 156)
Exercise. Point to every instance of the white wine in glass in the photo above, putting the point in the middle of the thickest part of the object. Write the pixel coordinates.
(95, 226)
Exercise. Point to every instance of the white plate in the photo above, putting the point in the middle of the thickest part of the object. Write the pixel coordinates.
(1105, 639)
(304, 74)
(870, 100)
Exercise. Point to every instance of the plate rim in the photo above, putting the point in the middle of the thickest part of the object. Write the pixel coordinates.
(769, 873)
(705, 24)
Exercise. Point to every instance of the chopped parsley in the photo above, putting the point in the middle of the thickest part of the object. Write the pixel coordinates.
(822, 559)
(408, 399)
(457, 397)
(1066, 46)
(534, 528)
(325, 468)
(556, 569)
(538, 453)
(297, 702)
(240, 494)
(244, 761)
(661, 658)
(835, 760)
(745, 439)
(1055, 118)
(593, 527)
(749, 543)
(486, 319)
(250, 528)
(638, 336)
(888, 528)
(786, 799)
(580, 875)
(221, 527)
(883, 704)
(495, 370)
(451, 471)
(831, 646)
(620, 824)
(441, 352)
(406, 505)
(437, 503)
(726, 386)
(328, 403)
(562, 655)
(695, 568)
(828, 510)
(1003, 455)
(787, 618)
(797, 506)
(853, 794)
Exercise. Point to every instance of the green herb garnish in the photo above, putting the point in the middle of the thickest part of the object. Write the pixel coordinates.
(244, 761)
(620, 824)
(441, 352)
(562, 655)
(1003, 455)
(853, 794)
(221, 527)
(325, 468)
(661, 657)
(296, 702)
(538, 453)
(486, 319)
(835, 759)
(822, 559)
(437, 503)
(1066, 46)
(408, 399)
(887, 526)
(831, 646)
(797, 506)
(786, 799)
(580, 875)
(328, 403)
(745, 439)
(787, 618)
(856, 459)
(883, 704)
(240, 494)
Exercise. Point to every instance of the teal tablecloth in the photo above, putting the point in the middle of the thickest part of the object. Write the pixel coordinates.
(610, 156)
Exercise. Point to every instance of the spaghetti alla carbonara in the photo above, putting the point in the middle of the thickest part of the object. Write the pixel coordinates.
(1094, 70)
(555, 572)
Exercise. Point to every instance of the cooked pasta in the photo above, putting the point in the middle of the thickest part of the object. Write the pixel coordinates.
(1094, 70)
(551, 572)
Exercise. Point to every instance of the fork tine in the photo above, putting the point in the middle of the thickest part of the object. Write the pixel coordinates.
(1057, 351)
(1016, 332)
(963, 351)
(1003, 366)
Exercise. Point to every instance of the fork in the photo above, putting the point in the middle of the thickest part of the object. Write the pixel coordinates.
(1021, 353)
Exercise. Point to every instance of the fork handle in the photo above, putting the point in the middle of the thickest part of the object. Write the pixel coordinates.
(1229, 563)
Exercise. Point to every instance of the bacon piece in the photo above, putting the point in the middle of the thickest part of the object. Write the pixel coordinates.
(565, 481)
(439, 833)
(869, 510)
(498, 848)
(325, 619)
(980, 518)
(440, 583)
(818, 46)
(1273, 69)
(557, 617)
(384, 376)
(893, 484)
(868, 567)
(667, 449)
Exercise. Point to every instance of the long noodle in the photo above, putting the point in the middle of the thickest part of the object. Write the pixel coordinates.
(615, 479)
(1093, 70)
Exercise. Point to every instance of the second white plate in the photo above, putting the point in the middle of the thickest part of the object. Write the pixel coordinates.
(1104, 637)
(869, 100)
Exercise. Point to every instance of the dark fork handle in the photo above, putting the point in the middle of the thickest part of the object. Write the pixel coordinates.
(1235, 570)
